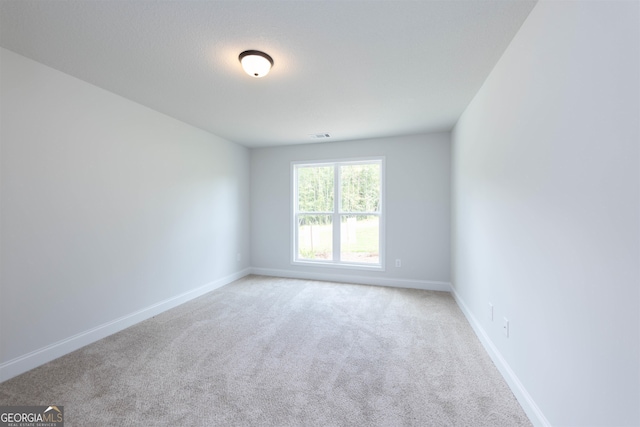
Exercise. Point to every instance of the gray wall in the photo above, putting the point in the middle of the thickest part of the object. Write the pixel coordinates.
(417, 209)
(107, 208)
(546, 211)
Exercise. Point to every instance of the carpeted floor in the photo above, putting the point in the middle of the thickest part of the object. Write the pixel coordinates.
(282, 352)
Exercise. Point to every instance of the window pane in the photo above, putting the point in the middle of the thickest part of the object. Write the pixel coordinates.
(315, 188)
(360, 188)
(315, 237)
(359, 238)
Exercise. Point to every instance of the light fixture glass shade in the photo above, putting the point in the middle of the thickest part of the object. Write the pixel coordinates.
(256, 63)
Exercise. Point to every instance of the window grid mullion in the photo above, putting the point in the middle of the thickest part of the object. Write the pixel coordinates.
(314, 213)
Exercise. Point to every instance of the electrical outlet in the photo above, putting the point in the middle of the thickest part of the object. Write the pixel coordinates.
(505, 327)
(490, 312)
(398, 263)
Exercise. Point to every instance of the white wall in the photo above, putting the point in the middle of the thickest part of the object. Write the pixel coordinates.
(417, 209)
(107, 208)
(546, 212)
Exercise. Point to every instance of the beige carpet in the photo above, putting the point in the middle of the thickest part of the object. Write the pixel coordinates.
(281, 352)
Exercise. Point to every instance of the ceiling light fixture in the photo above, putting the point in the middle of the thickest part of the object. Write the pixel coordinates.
(256, 63)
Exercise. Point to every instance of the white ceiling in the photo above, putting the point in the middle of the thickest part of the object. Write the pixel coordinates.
(354, 69)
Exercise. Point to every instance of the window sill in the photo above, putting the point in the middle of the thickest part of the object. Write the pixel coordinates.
(345, 266)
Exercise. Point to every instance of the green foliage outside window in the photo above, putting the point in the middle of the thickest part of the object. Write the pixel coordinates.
(315, 193)
(360, 190)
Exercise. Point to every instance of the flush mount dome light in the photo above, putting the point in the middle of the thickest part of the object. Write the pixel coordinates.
(256, 63)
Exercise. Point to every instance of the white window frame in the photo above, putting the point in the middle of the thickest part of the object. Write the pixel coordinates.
(336, 214)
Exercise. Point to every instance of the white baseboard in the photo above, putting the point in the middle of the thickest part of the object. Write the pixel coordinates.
(532, 410)
(362, 280)
(46, 354)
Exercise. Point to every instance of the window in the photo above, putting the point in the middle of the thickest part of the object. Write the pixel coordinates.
(338, 213)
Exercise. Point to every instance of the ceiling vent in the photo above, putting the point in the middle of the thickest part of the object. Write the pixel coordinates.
(320, 136)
